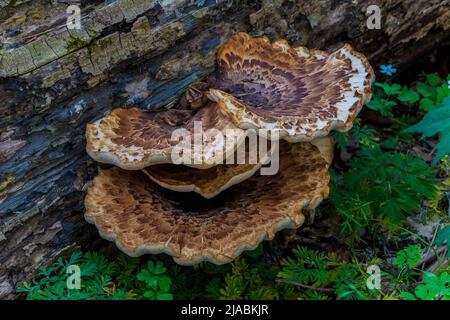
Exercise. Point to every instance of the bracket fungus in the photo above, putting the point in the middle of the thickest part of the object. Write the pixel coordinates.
(212, 181)
(208, 209)
(301, 93)
(208, 182)
(133, 139)
(141, 217)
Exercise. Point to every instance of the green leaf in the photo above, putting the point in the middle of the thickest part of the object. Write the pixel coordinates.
(164, 283)
(158, 268)
(434, 287)
(146, 276)
(389, 89)
(446, 102)
(426, 104)
(382, 105)
(443, 148)
(433, 80)
(443, 236)
(407, 95)
(393, 183)
(425, 293)
(424, 89)
(150, 294)
(442, 93)
(164, 296)
(408, 257)
(407, 296)
(435, 122)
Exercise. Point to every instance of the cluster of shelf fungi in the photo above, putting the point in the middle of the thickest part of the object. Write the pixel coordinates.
(213, 210)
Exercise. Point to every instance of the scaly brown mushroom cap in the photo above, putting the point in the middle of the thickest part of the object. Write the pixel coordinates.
(133, 139)
(299, 92)
(206, 182)
(212, 181)
(141, 217)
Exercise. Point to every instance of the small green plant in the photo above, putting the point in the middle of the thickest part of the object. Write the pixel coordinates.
(384, 185)
(436, 122)
(388, 97)
(315, 272)
(408, 257)
(433, 90)
(101, 279)
(250, 279)
(157, 282)
(361, 134)
(383, 100)
(429, 94)
(433, 287)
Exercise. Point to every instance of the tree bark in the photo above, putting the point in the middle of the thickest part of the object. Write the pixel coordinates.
(141, 53)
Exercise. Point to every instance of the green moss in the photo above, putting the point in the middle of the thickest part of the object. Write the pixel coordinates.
(74, 43)
(35, 13)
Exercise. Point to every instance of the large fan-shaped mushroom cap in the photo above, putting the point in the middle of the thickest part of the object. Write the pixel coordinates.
(300, 93)
(133, 139)
(141, 217)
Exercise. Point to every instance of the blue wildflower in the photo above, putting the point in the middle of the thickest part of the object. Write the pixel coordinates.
(388, 69)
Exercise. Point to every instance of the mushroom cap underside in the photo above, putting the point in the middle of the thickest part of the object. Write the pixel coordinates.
(141, 217)
(301, 93)
(212, 181)
(206, 182)
(209, 182)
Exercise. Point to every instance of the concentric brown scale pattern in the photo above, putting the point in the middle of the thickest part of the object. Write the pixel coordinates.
(141, 217)
(134, 139)
(299, 92)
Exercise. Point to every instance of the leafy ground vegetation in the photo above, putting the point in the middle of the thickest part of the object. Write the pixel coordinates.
(387, 216)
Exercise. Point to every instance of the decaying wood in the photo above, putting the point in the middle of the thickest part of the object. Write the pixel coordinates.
(139, 53)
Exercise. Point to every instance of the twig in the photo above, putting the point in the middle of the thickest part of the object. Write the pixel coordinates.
(427, 254)
(438, 264)
(305, 286)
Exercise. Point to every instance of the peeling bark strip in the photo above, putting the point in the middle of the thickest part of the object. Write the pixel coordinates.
(140, 53)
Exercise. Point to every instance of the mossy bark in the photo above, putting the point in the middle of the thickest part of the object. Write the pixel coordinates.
(140, 53)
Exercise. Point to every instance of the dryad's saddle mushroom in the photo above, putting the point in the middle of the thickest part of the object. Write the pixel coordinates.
(141, 217)
(301, 93)
(210, 182)
(133, 139)
(209, 209)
